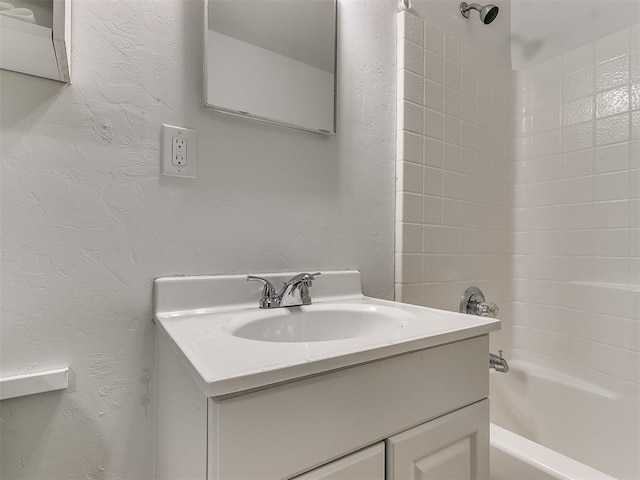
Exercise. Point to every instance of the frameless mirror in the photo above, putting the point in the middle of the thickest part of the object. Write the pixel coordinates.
(272, 60)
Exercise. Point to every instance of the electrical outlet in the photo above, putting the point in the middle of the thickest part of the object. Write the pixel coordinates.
(178, 151)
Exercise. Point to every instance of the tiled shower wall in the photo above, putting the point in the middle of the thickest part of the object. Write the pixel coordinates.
(527, 185)
(454, 169)
(576, 224)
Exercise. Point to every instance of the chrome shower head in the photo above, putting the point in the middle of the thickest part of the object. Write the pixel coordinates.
(488, 13)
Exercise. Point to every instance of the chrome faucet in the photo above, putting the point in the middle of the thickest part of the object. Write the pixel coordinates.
(294, 292)
(498, 363)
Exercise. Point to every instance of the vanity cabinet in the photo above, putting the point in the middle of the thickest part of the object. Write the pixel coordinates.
(427, 407)
(453, 446)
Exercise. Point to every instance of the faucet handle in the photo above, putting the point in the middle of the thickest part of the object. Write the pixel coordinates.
(307, 278)
(304, 278)
(268, 290)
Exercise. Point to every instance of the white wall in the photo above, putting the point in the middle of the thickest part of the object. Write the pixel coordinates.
(543, 29)
(87, 221)
(454, 169)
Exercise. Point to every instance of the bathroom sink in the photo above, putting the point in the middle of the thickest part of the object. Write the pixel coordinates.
(318, 323)
(230, 345)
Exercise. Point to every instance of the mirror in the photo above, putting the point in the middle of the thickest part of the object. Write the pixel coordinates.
(272, 60)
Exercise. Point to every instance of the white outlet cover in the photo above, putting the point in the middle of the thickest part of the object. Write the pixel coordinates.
(168, 167)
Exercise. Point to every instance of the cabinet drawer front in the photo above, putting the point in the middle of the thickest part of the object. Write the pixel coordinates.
(366, 464)
(453, 446)
(284, 430)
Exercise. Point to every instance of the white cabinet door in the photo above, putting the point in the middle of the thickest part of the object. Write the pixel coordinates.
(366, 464)
(452, 447)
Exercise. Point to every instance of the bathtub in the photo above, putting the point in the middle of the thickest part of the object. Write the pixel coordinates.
(516, 458)
(549, 424)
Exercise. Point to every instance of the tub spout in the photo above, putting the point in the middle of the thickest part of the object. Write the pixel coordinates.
(498, 363)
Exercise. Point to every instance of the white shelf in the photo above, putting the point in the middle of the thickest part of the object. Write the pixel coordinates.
(37, 50)
(30, 383)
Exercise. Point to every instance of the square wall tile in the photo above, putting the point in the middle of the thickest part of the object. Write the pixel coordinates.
(576, 137)
(549, 118)
(433, 66)
(469, 109)
(409, 177)
(469, 83)
(433, 95)
(431, 293)
(451, 212)
(408, 238)
(409, 267)
(431, 268)
(432, 181)
(433, 152)
(468, 135)
(408, 293)
(432, 239)
(409, 207)
(453, 49)
(411, 117)
(433, 124)
(434, 39)
(409, 147)
(611, 186)
(613, 214)
(634, 183)
(634, 67)
(612, 102)
(578, 84)
(611, 242)
(612, 129)
(411, 28)
(635, 96)
(611, 74)
(635, 125)
(411, 87)
(432, 210)
(577, 111)
(451, 185)
(451, 239)
(451, 130)
(577, 163)
(452, 157)
(412, 58)
(611, 158)
(451, 102)
(452, 75)
(470, 57)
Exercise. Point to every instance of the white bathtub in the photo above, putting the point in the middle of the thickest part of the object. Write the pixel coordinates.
(553, 425)
(516, 458)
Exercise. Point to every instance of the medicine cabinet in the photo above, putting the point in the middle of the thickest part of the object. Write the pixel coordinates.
(37, 44)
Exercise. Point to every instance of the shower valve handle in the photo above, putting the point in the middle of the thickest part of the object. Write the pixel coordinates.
(490, 310)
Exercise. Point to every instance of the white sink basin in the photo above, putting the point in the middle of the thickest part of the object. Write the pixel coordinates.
(318, 323)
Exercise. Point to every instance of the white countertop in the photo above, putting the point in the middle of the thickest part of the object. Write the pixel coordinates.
(223, 364)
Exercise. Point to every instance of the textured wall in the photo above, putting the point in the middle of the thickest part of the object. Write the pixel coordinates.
(454, 169)
(87, 221)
